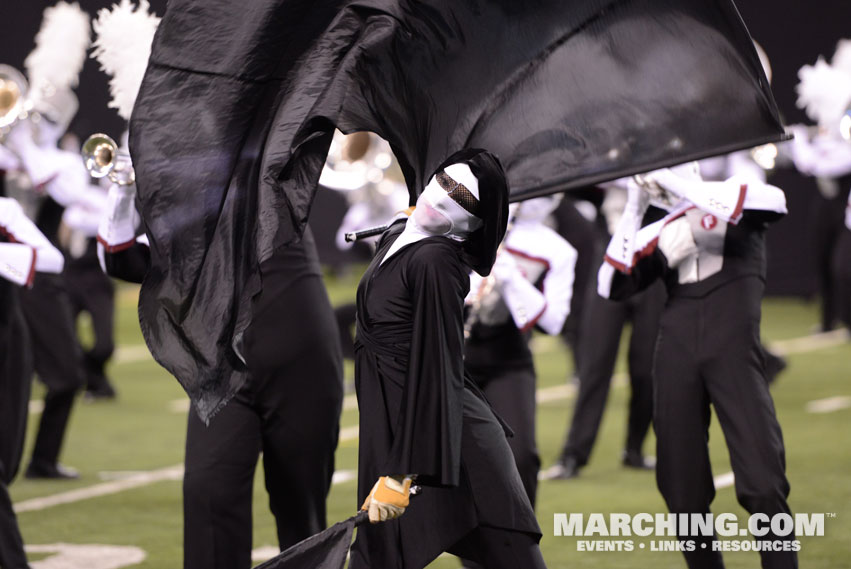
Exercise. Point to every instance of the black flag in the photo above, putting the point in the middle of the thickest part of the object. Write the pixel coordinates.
(325, 550)
(240, 99)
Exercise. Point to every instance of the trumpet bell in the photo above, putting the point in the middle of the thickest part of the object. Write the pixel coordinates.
(845, 125)
(99, 152)
(13, 91)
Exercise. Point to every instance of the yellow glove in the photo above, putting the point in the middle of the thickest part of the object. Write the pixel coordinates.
(388, 498)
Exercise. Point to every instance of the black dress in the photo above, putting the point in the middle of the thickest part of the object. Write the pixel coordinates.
(420, 414)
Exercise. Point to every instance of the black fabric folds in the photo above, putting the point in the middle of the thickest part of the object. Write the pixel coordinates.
(235, 115)
(325, 550)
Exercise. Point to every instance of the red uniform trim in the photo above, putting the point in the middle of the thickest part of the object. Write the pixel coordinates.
(737, 212)
(31, 276)
(115, 248)
(534, 320)
(530, 257)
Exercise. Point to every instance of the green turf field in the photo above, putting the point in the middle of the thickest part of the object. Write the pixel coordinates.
(134, 447)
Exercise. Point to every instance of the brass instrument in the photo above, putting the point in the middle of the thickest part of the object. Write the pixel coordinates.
(13, 97)
(845, 125)
(103, 158)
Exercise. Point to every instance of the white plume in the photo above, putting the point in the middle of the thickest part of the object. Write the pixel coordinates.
(60, 48)
(842, 56)
(122, 47)
(824, 92)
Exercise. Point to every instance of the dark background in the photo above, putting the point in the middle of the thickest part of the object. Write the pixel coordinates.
(792, 32)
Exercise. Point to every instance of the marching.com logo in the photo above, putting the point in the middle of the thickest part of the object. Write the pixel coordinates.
(761, 532)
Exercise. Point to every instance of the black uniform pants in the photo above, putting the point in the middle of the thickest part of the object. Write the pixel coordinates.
(828, 223)
(602, 324)
(57, 358)
(842, 271)
(91, 291)
(15, 381)
(289, 410)
(709, 352)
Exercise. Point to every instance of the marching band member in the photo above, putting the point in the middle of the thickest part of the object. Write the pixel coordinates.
(25, 255)
(56, 179)
(530, 285)
(598, 342)
(710, 252)
(824, 92)
(289, 408)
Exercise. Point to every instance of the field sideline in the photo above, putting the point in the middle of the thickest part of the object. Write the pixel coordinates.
(130, 455)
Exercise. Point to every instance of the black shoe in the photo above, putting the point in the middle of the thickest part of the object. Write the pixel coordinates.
(774, 364)
(99, 389)
(565, 469)
(99, 395)
(39, 470)
(634, 459)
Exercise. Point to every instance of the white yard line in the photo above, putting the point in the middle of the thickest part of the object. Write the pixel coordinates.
(348, 433)
(724, 480)
(132, 353)
(829, 405)
(810, 343)
(90, 556)
(102, 489)
(129, 481)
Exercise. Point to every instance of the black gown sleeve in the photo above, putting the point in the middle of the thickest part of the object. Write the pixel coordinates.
(428, 432)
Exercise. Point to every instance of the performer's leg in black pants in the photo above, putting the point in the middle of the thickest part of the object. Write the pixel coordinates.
(511, 393)
(290, 410)
(600, 335)
(828, 220)
(842, 271)
(345, 315)
(297, 389)
(58, 363)
(646, 310)
(734, 372)
(15, 381)
(218, 487)
(681, 417)
(93, 292)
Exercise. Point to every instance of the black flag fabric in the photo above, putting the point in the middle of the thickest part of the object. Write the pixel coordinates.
(327, 549)
(239, 102)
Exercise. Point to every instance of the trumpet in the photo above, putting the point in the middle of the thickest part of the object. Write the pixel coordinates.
(13, 97)
(103, 158)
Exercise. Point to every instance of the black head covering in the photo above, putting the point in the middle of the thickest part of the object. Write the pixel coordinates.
(480, 247)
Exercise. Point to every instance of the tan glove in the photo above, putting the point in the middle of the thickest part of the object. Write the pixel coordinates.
(388, 498)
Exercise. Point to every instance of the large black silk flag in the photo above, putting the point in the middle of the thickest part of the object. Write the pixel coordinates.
(326, 550)
(240, 99)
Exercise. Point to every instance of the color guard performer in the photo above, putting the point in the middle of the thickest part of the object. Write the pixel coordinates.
(421, 416)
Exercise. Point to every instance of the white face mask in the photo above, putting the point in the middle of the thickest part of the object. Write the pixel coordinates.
(437, 213)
